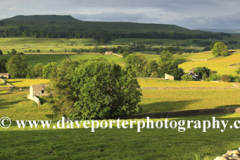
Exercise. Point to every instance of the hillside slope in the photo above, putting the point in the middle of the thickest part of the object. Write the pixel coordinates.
(66, 23)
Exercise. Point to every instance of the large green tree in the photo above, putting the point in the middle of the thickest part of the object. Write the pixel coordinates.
(165, 57)
(137, 64)
(17, 66)
(49, 69)
(3, 68)
(94, 89)
(220, 49)
(38, 70)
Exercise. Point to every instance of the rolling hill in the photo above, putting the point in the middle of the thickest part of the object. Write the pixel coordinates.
(66, 23)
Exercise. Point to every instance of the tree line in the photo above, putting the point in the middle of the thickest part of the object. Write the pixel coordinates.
(104, 37)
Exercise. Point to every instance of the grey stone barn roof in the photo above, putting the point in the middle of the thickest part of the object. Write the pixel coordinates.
(4, 74)
(39, 87)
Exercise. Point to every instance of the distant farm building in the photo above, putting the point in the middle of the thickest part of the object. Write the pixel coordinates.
(191, 72)
(5, 75)
(169, 77)
(108, 53)
(37, 90)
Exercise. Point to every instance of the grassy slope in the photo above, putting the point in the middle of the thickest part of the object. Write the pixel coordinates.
(2, 84)
(178, 100)
(68, 23)
(155, 143)
(220, 65)
(110, 58)
(27, 82)
(16, 105)
(166, 83)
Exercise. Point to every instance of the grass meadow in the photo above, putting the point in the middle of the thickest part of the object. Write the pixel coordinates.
(220, 64)
(80, 143)
(27, 82)
(168, 83)
(2, 84)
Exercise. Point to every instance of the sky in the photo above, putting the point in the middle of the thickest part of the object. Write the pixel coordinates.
(191, 14)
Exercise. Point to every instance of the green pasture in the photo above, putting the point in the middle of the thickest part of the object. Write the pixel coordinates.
(16, 105)
(79, 143)
(110, 58)
(2, 84)
(188, 99)
(168, 83)
(32, 60)
(220, 64)
(197, 56)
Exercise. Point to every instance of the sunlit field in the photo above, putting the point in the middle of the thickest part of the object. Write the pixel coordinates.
(169, 83)
(27, 82)
(220, 64)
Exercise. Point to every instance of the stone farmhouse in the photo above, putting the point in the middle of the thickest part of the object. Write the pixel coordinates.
(108, 53)
(37, 90)
(169, 77)
(191, 72)
(5, 75)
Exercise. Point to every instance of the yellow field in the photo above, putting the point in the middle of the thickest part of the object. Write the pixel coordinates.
(2, 84)
(197, 56)
(220, 65)
(168, 83)
(179, 100)
(27, 82)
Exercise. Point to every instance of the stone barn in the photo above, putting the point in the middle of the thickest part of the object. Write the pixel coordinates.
(191, 71)
(108, 53)
(169, 77)
(5, 75)
(37, 90)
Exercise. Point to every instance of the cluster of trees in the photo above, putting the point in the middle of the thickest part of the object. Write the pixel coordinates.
(104, 36)
(17, 67)
(139, 66)
(14, 52)
(219, 49)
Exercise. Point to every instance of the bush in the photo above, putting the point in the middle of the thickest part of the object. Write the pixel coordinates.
(225, 78)
(238, 71)
(214, 77)
(187, 77)
(154, 74)
(201, 70)
(204, 76)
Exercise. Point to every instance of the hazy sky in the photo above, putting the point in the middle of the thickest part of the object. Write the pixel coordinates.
(192, 14)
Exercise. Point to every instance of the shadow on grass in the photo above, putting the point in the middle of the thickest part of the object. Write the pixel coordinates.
(167, 106)
(2, 94)
(14, 82)
(228, 106)
(4, 105)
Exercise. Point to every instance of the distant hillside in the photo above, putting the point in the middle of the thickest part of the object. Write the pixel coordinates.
(55, 26)
(65, 23)
(235, 31)
(41, 18)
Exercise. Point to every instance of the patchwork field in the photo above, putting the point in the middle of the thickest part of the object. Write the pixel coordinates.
(152, 101)
(179, 100)
(162, 144)
(197, 56)
(2, 84)
(27, 82)
(220, 64)
(166, 83)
